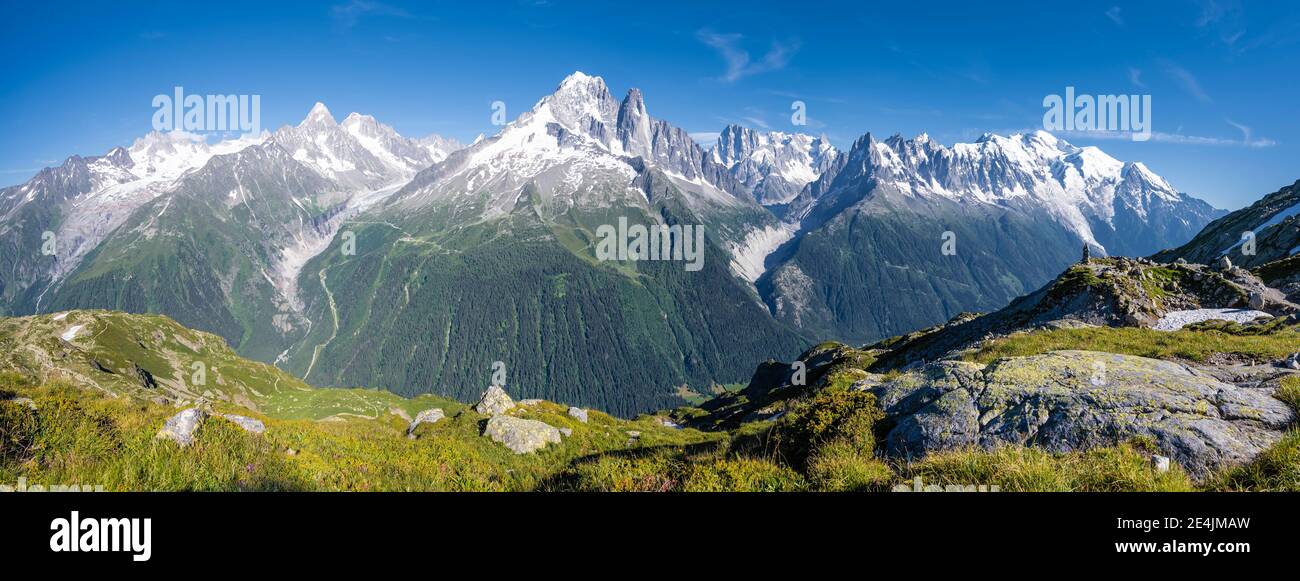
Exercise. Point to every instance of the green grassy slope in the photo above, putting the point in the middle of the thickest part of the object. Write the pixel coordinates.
(90, 422)
(431, 312)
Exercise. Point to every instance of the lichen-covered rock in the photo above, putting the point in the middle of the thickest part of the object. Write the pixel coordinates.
(180, 428)
(248, 424)
(1075, 400)
(578, 413)
(429, 416)
(521, 435)
(494, 401)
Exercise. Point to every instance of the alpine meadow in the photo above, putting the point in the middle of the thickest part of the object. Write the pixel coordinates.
(893, 249)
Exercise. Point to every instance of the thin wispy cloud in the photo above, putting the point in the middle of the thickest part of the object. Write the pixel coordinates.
(1135, 77)
(1216, 11)
(1171, 138)
(1247, 135)
(739, 62)
(348, 14)
(1115, 14)
(977, 72)
(1187, 81)
(1226, 21)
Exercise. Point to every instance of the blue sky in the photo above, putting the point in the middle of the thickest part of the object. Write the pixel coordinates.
(80, 78)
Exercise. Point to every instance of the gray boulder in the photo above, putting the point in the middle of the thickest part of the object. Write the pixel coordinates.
(248, 424)
(429, 416)
(1160, 463)
(1256, 300)
(180, 428)
(23, 401)
(520, 435)
(494, 401)
(1068, 401)
(578, 413)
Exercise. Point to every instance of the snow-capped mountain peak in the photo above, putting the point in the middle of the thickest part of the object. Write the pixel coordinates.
(773, 165)
(319, 114)
(582, 103)
(385, 143)
(97, 194)
(168, 155)
(1090, 192)
(571, 139)
(360, 153)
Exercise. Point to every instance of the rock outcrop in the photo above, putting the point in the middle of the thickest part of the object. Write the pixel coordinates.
(248, 424)
(429, 416)
(1112, 292)
(1067, 401)
(180, 428)
(495, 401)
(521, 435)
(578, 413)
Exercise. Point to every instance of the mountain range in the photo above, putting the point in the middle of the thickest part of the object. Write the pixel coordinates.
(350, 255)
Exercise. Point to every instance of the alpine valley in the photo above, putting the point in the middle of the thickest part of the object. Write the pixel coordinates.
(348, 255)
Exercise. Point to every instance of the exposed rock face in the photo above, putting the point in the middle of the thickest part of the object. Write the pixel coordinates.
(774, 166)
(1273, 222)
(1256, 300)
(146, 378)
(1075, 400)
(429, 416)
(180, 428)
(495, 401)
(249, 425)
(578, 413)
(520, 435)
(1114, 292)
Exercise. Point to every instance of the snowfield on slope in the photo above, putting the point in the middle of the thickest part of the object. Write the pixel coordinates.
(71, 333)
(1175, 320)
